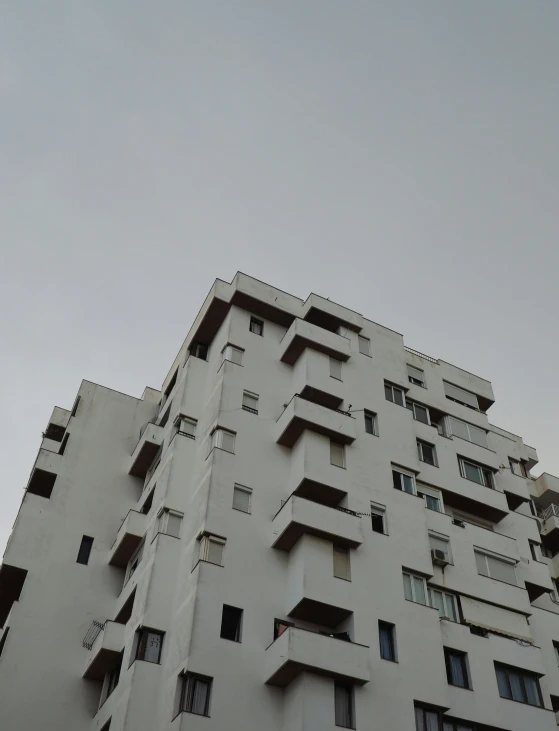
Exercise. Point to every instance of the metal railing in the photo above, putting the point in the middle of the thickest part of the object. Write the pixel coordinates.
(420, 355)
(92, 634)
(346, 510)
(549, 511)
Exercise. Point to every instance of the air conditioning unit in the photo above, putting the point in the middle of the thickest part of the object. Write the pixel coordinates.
(439, 558)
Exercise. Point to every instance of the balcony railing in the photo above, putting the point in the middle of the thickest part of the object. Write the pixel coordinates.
(549, 511)
(92, 634)
(420, 355)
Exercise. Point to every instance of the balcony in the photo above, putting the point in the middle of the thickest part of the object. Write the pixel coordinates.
(299, 515)
(151, 439)
(330, 315)
(104, 643)
(516, 490)
(300, 414)
(131, 531)
(549, 529)
(297, 650)
(304, 334)
(546, 487)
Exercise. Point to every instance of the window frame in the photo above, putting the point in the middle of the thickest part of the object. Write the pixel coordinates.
(411, 406)
(229, 350)
(380, 511)
(419, 709)
(238, 623)
(421, 444)
(457, 400)
(392, 387)
(426, 491)
(250, 396)
(486, 555)
(335, 368)
(484, 471)
(521, 467)
(522, 674)
(462, 657)
(188, 688)
(181, 420)
(390, 629)
(343, 460)
(258, 324)
(163, 516)
(350, 708)
(413, 379)
(404, 473)
(84, 551)
(366, 343)
(413, 576)
(136, 558)
(217, 439)
(345, 551)
(141, 640)
(205, 541)
(248, 491)
(447, 598)
(371, 417)
(448, 418)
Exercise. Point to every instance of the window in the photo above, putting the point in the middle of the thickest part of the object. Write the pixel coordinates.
(242, 498)
(387, 642)
(416, 376)
(231, 622)
(534, 550)
(148, 644)
(456, 668)
(111, 680)
(476, 473)
(403, 481)
(76, 405)
(211, 549)
(64, 443)
(433, 497)
(337, 454)
(186, 426)
(371, 425)
(518, 685)
(195, 694)
(444, 602)
(223, 439)
(426, 453)
(517, 468)
(426, 719)
(250, 402)
(495, 568)
(256, 326)
(336, 368)
(233, 354)
(415, 588)
(378, 519)
(461, 396)
(148, 502)
(420, 413)
(394, 394)
(440, 543)
(199, 350)
(458, 428)
(165, 418)
(85, 550)
(134, 562)
(364, 345)
(41, 483)
(342, 566)
(169, 522)
(344, 705)
(556, 648)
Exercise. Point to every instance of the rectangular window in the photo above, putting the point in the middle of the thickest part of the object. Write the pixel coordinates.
(433, 497)
(394, 394)
(495, 568)
(556, 648)
(344, 705)
(386, 632)
(186, 426)
(111, 680)
(134, 562)
(476, 473)
(231, 623)
(256, 326)
(337, 454)
(444, 602)
(165, 418)
(169, 522)
(149, 645)
(458, 428)
(342, 565)
(371, 425)
(456, 668)
(403, 481)
(426, 453)
(242, 498)
(440, 543)
(85, 550)
(534, 550)
(211, 549)
(517, 468)
(199, 350)
(518, 685)
(364, 345)
(420, 412)
(415, 588)
(195, 694)
(416, 376)
(378, 519)
(336, 369)
(426, 719)
(223, 439)
(250, 402)
(233, 354)
(461, 396)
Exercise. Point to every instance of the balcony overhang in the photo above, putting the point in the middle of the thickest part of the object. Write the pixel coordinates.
(330, 315)
(300, 414)
(546, 490)
(299, 516)
(146, 449)
(303, 334)
(130, 533)
(297, 650)
(485, 510)
(104, 651)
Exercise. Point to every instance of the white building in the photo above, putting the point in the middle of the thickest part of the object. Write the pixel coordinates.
(311, 526)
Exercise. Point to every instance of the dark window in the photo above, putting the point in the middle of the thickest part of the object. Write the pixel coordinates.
(420, 412)
(403, 482)
(518, 685)
(54, 432)
(426, 453)
(377, 520)
(394, 394)
(126, 612)
(231, 622)
(171, 384)
(456, 668)
(343, 703)
(112, 678)
(534, 550)
(280, 625)
(386, 633)
(450, 725)
(85, 550)
(148, 502)
(371, 422)
(41, 483)
(3, 639)
(199, 350)
(76, 404)
(195, 694)
(107, 726)
(64, 443)
(427, 719)
(150, 642)
(165, 418)
(256, 326)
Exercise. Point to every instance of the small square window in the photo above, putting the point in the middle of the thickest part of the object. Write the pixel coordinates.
(242, 498)
(337, 454)
(394, 394)
(170, 522)
(186, 426)
(336, 369)
(211, 549)
(231, 623)
(364, 345)
(195, 694)
(371, 423)
(250, 402)
(378, 519)
(233, 354)
(433, 497)
(256, 326)
(426, 453)
(149, 643)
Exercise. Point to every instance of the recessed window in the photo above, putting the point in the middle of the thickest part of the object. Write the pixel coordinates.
(250, 402)
(344, 705)
(371, 422)
(495, 568)
(420, 412)
(342, 565)
(107, 726)
(535, 550)
(76, 405)
(256, 326)
(41, 483)
(199, 350)
(454, 427)
(456, 663)
(223, 439)
(476, 473)
(517, 468)
(149, 643)
(195, 694)
(64, 443)
(404, 481)
(148, 502)
(461, 396)
(54, 432)
(426, 453)
(111, 679)
(378, 519)
(556, 648)
(233, 354)
(231, 623)
(134, 562)
(337, 454)
(211, 549)
(84, 551)
(169, 522)
(440, 543)
(444, 602)
(394, 394)
(415, 588)
(186, 426)
(518, 685)
(416, 376)
(427, 719)
(336, 369)
(242, 498)
(364, 345)
(387, 640)
(452, 725)
(433, 497)
(3, 639)
(165, 418)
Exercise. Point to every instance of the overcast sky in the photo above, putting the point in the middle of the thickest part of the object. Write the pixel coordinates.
(401, 158)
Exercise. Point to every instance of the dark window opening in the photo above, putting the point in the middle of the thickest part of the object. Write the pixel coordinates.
(12, 580)
(41, 483)
(231, 622)
(386, 641)
(479, 631)
(195, 694)
(456, 668)
(165, 418)
(76, 404)
(171, 384)
(126, 612)
(64, 443)
(113, 677)
(518, 685)
(377, 521)
(54, 432)
(370, 422)
(85, 550)
(148, 502)
(107, 726)
(256, 326)
(199, 350)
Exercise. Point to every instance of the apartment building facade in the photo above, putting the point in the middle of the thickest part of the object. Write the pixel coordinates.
(310, 527)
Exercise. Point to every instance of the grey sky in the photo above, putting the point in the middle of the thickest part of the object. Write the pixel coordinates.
(401, 158)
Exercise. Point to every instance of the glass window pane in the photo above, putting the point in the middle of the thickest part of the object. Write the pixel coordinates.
(458, 428)
(419, 590)
(407, 587)
(431, 721)
(408, 483)
(450, 605)
(478, 436)
(457, 670)
(501, 570)
(437, 601)
(214, 551)
(419, 720)
(398, 397)
(433, 503)
(377, 520)
(517, 687)
(388, 393)
(502, 682)
(481, 564)
(227, 441)
(153, 647)
(337, 456)
(241, 499)
(364, 345)
(336, 368)
(421, 413)
(531, 687)
(472, 472)
(173, 525)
